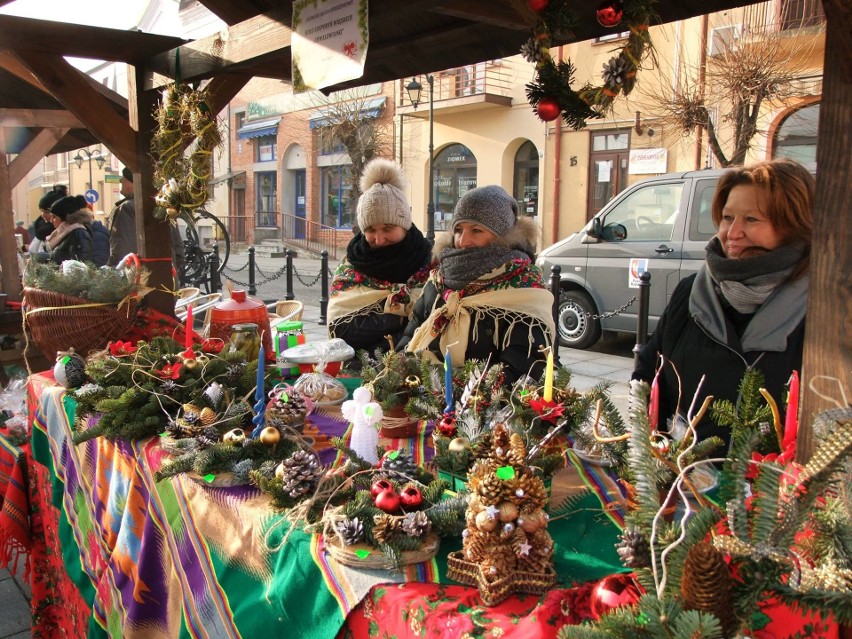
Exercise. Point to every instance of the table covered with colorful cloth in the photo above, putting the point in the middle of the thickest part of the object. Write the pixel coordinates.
(115, 553)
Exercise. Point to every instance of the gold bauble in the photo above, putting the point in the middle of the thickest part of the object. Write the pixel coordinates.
(280, 471)
(484, 522)
(458, 445)
(235, 436)
(190, 363)
(270, 436)
(208, 416)
(508, 511)
(534, 521)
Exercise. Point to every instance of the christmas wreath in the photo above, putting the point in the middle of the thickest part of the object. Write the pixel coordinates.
(551, 94)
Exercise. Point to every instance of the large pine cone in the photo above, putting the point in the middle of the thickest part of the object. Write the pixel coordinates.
(402, 464)
(290, 412)
(634, 549)
(526, 489)
(385, 527)
(351, 531)
(416, 524)
(517, 452)
(302, 471)
(706, 585)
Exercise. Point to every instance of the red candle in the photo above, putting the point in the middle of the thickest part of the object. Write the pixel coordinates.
(791, 419)
(188, 342)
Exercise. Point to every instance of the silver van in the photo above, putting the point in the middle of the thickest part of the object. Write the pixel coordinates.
(660, 225)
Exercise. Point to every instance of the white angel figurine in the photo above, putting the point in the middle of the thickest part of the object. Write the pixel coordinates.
(364, 414)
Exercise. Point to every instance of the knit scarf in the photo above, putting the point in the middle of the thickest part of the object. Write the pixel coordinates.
(395, 263)
(746, 283)
(461, 267)
(61, 232)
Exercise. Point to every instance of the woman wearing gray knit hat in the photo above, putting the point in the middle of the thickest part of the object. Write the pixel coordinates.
(486, 300)
(385, 267)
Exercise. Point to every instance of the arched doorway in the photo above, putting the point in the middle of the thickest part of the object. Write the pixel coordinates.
(526, 179)
(796, 136)
(455, 175)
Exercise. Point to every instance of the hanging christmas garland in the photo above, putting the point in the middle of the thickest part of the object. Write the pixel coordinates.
(183, 183)
(551, 94)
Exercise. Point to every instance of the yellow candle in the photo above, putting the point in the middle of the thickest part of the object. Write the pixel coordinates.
(548, 378)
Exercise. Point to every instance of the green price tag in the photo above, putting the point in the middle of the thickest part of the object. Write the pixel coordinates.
(65, 360)
(209, 477)
(505, 472)
(393, 454)
(285, 397)
(362, 554)
(166, 434)
(369, 410)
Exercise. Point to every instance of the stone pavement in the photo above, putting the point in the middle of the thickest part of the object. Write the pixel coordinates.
(587, 367)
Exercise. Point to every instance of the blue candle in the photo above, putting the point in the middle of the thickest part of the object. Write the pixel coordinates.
(448, 382)
(259, 419)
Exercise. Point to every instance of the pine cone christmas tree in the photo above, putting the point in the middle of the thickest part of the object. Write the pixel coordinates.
(351, 531)
(300, 473)
(707, 586)
(634, 549)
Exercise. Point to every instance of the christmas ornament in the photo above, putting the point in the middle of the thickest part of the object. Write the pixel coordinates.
(458, 445)
(235, 436)
(609, 13)
(447, 425)
(548, 109)
(364, 414)
(410, 497)
(538, 5)
(614, 591)
(70, 369)
(387, 501)
(270, 436)
(380, 486)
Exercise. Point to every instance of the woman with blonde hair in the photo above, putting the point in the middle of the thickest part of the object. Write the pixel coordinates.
(745, 308)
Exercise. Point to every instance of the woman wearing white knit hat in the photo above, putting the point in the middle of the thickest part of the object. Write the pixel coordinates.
(386, 264)
(486, 300)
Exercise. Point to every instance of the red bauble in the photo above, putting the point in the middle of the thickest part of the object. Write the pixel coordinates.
(538, 5)
(548, 109)
(614, 592)
(609, 13)
(380, 486)
(410, 497)
(447, 425)
(388, 501)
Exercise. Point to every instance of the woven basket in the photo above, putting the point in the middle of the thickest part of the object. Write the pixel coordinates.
(58, 322)
(396, 423)
(377, 560)
(493, 592)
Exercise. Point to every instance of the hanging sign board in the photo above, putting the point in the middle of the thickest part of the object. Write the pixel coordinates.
(644, 161)
(329, 42)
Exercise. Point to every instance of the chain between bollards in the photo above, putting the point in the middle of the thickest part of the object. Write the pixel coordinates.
(324, 292)
(252, 287)
(290, 295)
(555, 280)
(642, 317)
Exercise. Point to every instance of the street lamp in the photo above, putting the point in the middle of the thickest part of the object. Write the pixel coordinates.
(78, 160)
(414, 88)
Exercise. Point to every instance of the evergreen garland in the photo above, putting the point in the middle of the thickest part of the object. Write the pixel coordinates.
(87, 281)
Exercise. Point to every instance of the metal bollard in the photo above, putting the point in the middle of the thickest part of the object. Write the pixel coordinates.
(213, 261)
(642, 317)
(290, 295)
(252, 288)
(555, 289)
(324, 292)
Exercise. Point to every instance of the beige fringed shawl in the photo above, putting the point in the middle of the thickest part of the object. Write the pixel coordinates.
(529, 307)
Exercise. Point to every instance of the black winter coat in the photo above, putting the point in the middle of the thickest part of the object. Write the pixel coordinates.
(684, 342)
(77, 245)
(518, 358)
(100, 243)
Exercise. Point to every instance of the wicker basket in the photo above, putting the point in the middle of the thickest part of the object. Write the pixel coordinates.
(58, 322)
(493, 592)
(377, 560)
(396, 424)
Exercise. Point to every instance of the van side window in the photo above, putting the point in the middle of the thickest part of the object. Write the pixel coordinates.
(649, 213)
(701, 225)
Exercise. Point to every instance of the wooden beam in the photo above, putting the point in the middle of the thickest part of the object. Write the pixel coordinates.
(224, 88)
(38, 118)
(11, 278)
(238, 47)
(507, 16)
(69, 87)
(234, 12)
(34, 153)
(827, 366)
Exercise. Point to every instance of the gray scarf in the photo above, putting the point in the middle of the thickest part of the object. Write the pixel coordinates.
(746, 283)
(460, 267)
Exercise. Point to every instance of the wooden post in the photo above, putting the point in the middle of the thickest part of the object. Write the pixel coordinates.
(827, 366)
(8, 244)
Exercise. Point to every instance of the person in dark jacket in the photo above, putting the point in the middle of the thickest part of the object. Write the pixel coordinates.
(745, 308)
(486, 300)
(44, 226)
(100, 243)
(386, 265)
(72, 239)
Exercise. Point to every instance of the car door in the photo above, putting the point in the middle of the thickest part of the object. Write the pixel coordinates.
(643, 231)
(700, 228)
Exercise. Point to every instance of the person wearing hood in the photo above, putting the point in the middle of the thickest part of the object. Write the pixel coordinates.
(486, 299)
(72, 239)
(745, 308)
(386, 265)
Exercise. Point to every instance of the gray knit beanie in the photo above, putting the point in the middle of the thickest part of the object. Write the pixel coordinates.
(489, 206)
(382, 199)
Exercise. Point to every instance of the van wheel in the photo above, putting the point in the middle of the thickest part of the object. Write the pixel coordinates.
(574, 324)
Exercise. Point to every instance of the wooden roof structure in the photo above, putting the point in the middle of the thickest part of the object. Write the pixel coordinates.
(47, 105)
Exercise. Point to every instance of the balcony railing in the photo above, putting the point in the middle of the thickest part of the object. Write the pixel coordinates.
(314, 237)
(494, 77)
(778, 16)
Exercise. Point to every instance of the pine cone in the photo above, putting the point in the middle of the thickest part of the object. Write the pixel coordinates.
(302, 471)
(402, 464)
(234, 372)
(490, 490)
(475, 544)
(351, 531)
(517, 452)
(633, 548)
(526, 489)
(416, 524)
(208, 437)
(500, 443)
(706, 585)
(169, 387)
(290, 412)
(385, 527)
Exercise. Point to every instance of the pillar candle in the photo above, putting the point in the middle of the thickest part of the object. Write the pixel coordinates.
(188, 342)
(548, 378)
(259, 419)
(448, 382)
(791, 419)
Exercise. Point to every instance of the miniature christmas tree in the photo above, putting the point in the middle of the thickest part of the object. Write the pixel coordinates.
(506, 545)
